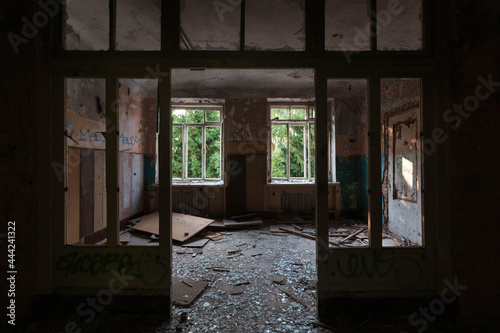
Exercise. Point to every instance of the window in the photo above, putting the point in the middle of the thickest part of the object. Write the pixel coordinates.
(292, 142)
(196, 143)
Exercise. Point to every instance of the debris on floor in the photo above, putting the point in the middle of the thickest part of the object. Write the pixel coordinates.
(250, 221)
(183, 226)
(184, 290)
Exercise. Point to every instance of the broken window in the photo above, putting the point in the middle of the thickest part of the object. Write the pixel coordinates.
(85, 168)
(292, 142)
(196, 143)
(275, 25)
(402, 162)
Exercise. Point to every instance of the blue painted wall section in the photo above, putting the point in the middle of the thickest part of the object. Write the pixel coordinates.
(149, 169)
(352, 174)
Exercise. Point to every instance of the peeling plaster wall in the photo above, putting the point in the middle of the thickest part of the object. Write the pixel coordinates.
(351, 142)
(245, 127)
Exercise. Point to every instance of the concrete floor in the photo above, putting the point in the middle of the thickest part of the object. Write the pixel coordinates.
(247, 297)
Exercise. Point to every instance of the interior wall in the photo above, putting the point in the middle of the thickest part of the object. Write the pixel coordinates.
(351, 140)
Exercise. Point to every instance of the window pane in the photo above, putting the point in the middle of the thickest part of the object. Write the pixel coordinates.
(210, 25)
(281, 114)
(275, 25)
(87, 25)
(177, 152)
(297, 136)
(212, 160)
(137, 164)
(195, 116)
(312, 157)
(195, 139)
(349, 160)
(213, 115)
(401, 162)
(347, 25)
(138, 25)
(178, 116)
(278, 151)
(298, 114)
(85, 160)
(312, 113)
(399, 25)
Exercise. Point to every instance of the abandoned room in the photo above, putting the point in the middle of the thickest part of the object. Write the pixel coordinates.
(250, 166)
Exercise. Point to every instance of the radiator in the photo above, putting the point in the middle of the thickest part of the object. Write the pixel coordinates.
(298, 202)
(191, 202)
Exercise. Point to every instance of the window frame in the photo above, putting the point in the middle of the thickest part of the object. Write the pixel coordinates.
(184, 180)
(306, 124)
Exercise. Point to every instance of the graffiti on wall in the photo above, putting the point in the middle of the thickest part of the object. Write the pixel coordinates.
(385, 263)
(149, 268)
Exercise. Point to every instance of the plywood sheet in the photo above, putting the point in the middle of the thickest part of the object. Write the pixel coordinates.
(184, 291)
(183, 226)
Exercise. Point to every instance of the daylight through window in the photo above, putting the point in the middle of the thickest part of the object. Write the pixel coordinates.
(196, 143)
(292, 142)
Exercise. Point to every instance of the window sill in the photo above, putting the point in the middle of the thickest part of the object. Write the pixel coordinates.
(197, 183)
(294, 183)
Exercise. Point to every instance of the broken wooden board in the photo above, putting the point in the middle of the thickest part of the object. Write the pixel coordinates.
(184, 291)
(243, 223)
(196, 242)
(183, 226)
(276, 228)
(220, 225)
(215, 236)
(125, 238)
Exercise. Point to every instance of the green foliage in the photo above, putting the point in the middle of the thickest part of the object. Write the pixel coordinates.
(176, 151)
(278, 151)
(212, 167)
(195, 144)
(297, 166)
(298, 137)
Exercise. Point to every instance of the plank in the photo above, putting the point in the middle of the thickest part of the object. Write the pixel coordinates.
(276, 228)
(304, 235)
(183, 226)
(352, 235)
(196, 242)
(243, 223)
(185, 291)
